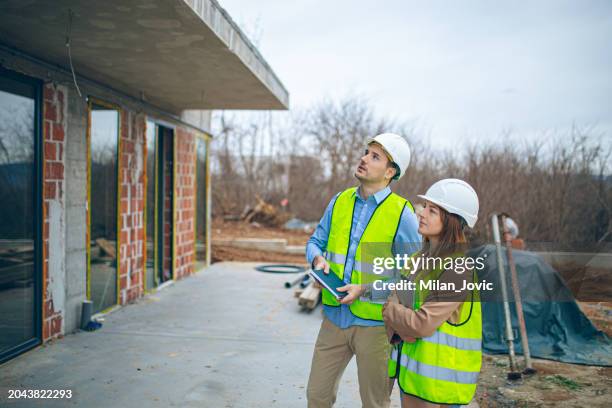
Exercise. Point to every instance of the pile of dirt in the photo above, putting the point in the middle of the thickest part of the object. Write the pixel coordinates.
(554, 385)
(239, 229)
(221, 253)
(600, 313)
(588, 284)
(223, 230)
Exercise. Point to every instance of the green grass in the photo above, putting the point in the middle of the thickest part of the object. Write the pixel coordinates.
(563, 382)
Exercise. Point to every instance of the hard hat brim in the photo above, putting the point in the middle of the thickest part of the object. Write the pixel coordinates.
(449, 208)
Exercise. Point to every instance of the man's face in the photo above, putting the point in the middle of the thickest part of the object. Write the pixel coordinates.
(374, 166)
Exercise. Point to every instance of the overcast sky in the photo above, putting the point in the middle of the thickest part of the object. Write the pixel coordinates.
(464, 69)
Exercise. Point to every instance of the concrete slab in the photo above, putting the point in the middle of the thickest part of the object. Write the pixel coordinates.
(176, 55)
(296, 249)
(261, 244)
(227, 337)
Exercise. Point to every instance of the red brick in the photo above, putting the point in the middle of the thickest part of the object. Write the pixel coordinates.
(50, 151)
(50, 111)
(123, 282)
(54, 171)
(58, 132)
(49, 308)
(60, 155)
(56, 326)
(47, 130)
(50, 190)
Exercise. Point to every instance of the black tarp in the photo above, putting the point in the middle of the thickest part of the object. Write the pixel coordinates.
(556, 327)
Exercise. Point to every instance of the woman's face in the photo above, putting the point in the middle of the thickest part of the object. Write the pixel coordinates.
(430, 220)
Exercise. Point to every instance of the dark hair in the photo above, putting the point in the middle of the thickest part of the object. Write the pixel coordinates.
(451, 239)
(397, 170)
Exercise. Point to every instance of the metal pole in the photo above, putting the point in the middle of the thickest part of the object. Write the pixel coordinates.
(300, 279)
(514, 374)
(517, 301)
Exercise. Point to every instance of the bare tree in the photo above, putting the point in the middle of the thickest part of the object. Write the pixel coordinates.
(559, 189)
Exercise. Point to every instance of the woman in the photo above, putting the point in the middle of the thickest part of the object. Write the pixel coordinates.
(437, 331)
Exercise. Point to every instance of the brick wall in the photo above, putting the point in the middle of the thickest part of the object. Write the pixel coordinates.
(132, 196)
(54, 131)
(185, 202)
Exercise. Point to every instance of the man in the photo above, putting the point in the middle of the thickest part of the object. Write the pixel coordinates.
(358, 223)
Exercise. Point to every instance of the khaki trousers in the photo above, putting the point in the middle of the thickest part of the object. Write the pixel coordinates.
(334, 349)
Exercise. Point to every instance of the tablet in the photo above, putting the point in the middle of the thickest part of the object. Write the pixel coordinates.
(329, 281)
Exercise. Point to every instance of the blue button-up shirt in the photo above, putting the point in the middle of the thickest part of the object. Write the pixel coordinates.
(407, 239)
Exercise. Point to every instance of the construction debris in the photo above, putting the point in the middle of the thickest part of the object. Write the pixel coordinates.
(310, 297)
(264, 213)
(297, 224)
(299, 280)
(108, 247)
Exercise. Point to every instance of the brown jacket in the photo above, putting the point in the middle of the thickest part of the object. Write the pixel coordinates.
(439, 306)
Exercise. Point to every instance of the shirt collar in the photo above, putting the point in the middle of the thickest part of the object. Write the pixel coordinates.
(379, 196)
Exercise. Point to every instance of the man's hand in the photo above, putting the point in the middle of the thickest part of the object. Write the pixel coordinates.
(354, 291)
(319, 263)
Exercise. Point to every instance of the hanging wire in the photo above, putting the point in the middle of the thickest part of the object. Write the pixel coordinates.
(68, 33)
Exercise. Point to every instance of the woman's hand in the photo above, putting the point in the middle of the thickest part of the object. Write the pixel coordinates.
(392, 309)
(353, 292)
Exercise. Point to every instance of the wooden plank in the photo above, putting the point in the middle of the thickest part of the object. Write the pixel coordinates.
(310, 297)
(107, 247)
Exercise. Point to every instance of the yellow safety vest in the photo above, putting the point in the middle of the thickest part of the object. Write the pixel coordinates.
(442, 368)
(376, 241)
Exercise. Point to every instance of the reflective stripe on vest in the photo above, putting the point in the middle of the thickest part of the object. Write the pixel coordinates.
(335, 258)
(439, 373)
(453, 341)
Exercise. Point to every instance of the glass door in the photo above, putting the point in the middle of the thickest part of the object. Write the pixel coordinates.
(103, 251)
(165, 204)
(201, 202)
(151, 205)
(20, 214)
(159, 205)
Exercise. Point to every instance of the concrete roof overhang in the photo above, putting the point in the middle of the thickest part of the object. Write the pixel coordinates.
(175, 54)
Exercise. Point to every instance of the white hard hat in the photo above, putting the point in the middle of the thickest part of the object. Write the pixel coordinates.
(455, 196)
(397, 147)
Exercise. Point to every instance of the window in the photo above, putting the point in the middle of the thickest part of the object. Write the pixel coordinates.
(20, 219)
(103, 250)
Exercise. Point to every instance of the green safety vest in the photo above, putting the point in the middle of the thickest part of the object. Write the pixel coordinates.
(376, 241)
(442, 368)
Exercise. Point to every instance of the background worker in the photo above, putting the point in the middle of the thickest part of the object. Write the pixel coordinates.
(511, 232)
(439, 356)
(369, 213)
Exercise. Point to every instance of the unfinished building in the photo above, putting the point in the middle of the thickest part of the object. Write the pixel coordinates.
(104, 141)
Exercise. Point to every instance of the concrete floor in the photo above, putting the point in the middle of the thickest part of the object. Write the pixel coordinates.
(227, 337)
